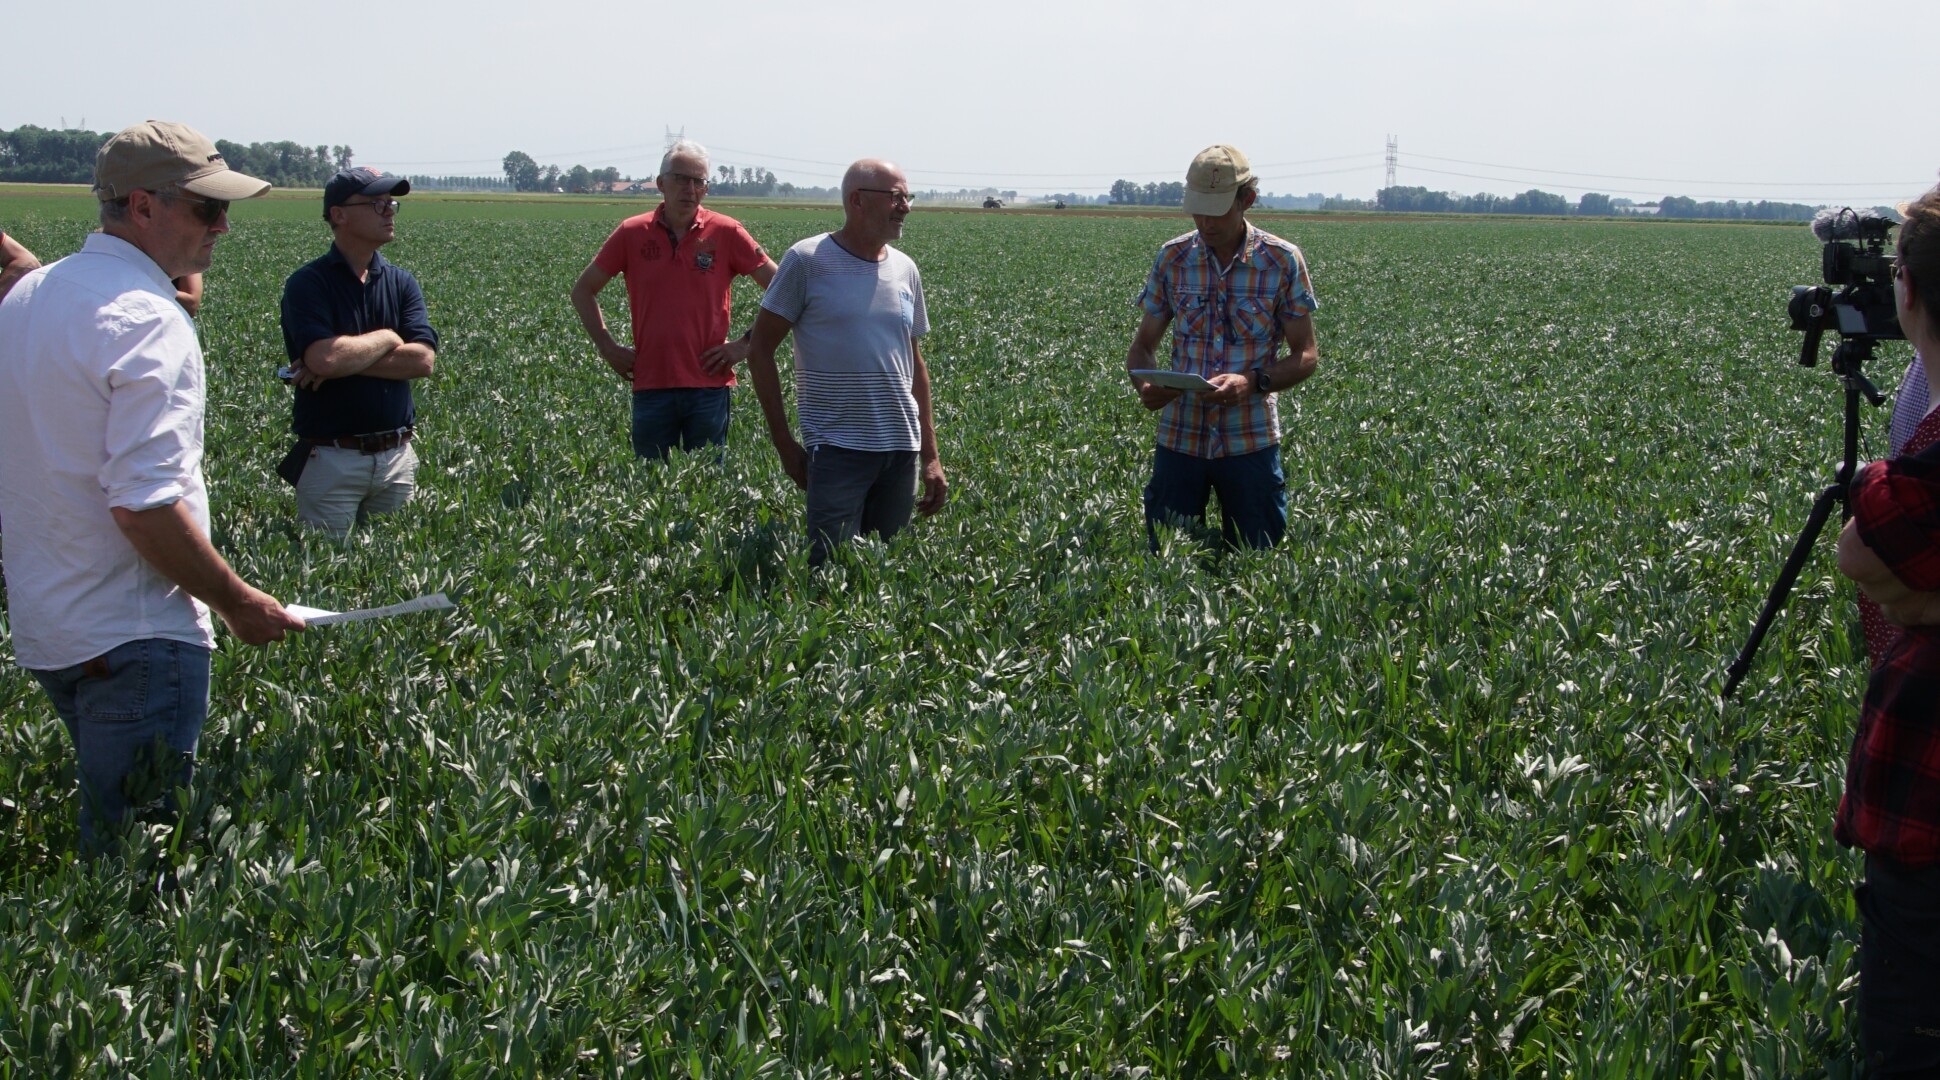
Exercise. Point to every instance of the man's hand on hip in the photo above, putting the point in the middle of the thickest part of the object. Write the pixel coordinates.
(722, 358)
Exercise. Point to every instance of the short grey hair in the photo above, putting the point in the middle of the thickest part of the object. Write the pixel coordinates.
(116, 210)
(686, 148)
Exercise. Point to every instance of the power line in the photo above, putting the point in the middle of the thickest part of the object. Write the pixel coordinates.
(648, 151)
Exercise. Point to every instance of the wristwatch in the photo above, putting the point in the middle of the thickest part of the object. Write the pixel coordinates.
(1262, 383)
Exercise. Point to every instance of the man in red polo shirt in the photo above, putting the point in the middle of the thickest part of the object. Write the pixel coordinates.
(679, 262)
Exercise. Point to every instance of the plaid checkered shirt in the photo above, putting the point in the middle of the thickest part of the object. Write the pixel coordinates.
(1225, 321)
(1891, 805)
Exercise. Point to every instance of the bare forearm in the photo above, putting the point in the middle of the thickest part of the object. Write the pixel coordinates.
(13, 273)
(767, 390)
(350, 354)
(587, 304)
(925, 419)
(1302, 356)
(167, 538)
(188, 293)
(1293, 369)
(413, 360)
(16, 262)
(764, 337)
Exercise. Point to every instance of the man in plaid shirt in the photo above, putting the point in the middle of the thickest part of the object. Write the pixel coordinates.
(1237, 292)
(1891, 805)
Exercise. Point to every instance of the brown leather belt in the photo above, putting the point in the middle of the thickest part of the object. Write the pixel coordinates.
(369, 444)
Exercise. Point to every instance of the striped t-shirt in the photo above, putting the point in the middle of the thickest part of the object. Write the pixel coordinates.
(856, 325)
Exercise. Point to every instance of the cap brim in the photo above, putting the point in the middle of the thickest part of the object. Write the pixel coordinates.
(1209, 203)
(387, 185)
(226, 184)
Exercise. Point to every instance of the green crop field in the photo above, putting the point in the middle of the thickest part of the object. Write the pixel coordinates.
(1441, 787)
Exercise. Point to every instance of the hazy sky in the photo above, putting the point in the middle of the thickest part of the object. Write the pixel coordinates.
(1714, 99)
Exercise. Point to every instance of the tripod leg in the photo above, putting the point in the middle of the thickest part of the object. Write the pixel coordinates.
(1782, 588)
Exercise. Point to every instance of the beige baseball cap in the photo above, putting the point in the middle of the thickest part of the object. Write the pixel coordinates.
(157, 154)
(1213, 180)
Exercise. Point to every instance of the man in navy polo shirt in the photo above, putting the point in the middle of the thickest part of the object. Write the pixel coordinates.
(357, 335)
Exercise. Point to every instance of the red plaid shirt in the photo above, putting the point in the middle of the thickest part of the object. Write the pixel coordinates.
(1891, 805)
(1225, 322)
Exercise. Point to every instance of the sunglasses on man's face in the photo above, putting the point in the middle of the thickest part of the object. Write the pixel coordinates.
(207, 211)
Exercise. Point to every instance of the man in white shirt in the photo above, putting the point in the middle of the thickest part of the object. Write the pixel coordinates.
(110, 572)
(855, 306)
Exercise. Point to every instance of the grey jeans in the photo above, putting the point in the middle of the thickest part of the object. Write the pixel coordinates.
(340, 488)
(857, 491)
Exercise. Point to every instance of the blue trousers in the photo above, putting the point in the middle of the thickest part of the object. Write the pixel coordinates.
(687, 417)
(135, 715)
(1252, 495)
(857, 491)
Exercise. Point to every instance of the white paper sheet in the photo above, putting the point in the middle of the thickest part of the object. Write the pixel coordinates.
(320, 617)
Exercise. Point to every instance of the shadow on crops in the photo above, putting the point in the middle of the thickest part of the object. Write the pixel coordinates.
(754, 560)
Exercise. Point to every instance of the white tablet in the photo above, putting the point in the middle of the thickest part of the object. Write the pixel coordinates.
(1173, 380)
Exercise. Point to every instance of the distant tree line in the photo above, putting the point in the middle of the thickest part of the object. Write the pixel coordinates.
(1592, 204)
(37, 155)
(1126, 193)
(1733, 210)
(522, 173)
(286, 164)
(750, 181)
(1422, 200)
(459, 183)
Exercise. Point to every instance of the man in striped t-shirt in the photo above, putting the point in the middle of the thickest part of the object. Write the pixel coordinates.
(855, 306)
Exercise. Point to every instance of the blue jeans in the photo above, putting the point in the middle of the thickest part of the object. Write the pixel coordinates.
(1252, 495)
(857, 491)
(135, 715)
(688, 417)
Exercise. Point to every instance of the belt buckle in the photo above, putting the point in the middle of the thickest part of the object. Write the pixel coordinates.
(381, 442)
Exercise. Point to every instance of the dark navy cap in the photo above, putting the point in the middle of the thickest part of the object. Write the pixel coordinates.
(361, 181)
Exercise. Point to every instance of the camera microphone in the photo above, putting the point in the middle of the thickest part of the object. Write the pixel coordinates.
(1846, 223)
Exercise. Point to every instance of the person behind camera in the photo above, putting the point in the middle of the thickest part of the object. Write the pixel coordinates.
(1891, 806)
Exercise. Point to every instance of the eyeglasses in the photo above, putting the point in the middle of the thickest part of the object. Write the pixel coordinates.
(683, 180)
(384, 207)
(904, 197)
(207, 211)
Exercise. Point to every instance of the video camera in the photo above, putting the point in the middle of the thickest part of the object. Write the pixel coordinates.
(1863, 313)
(1854, 259)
